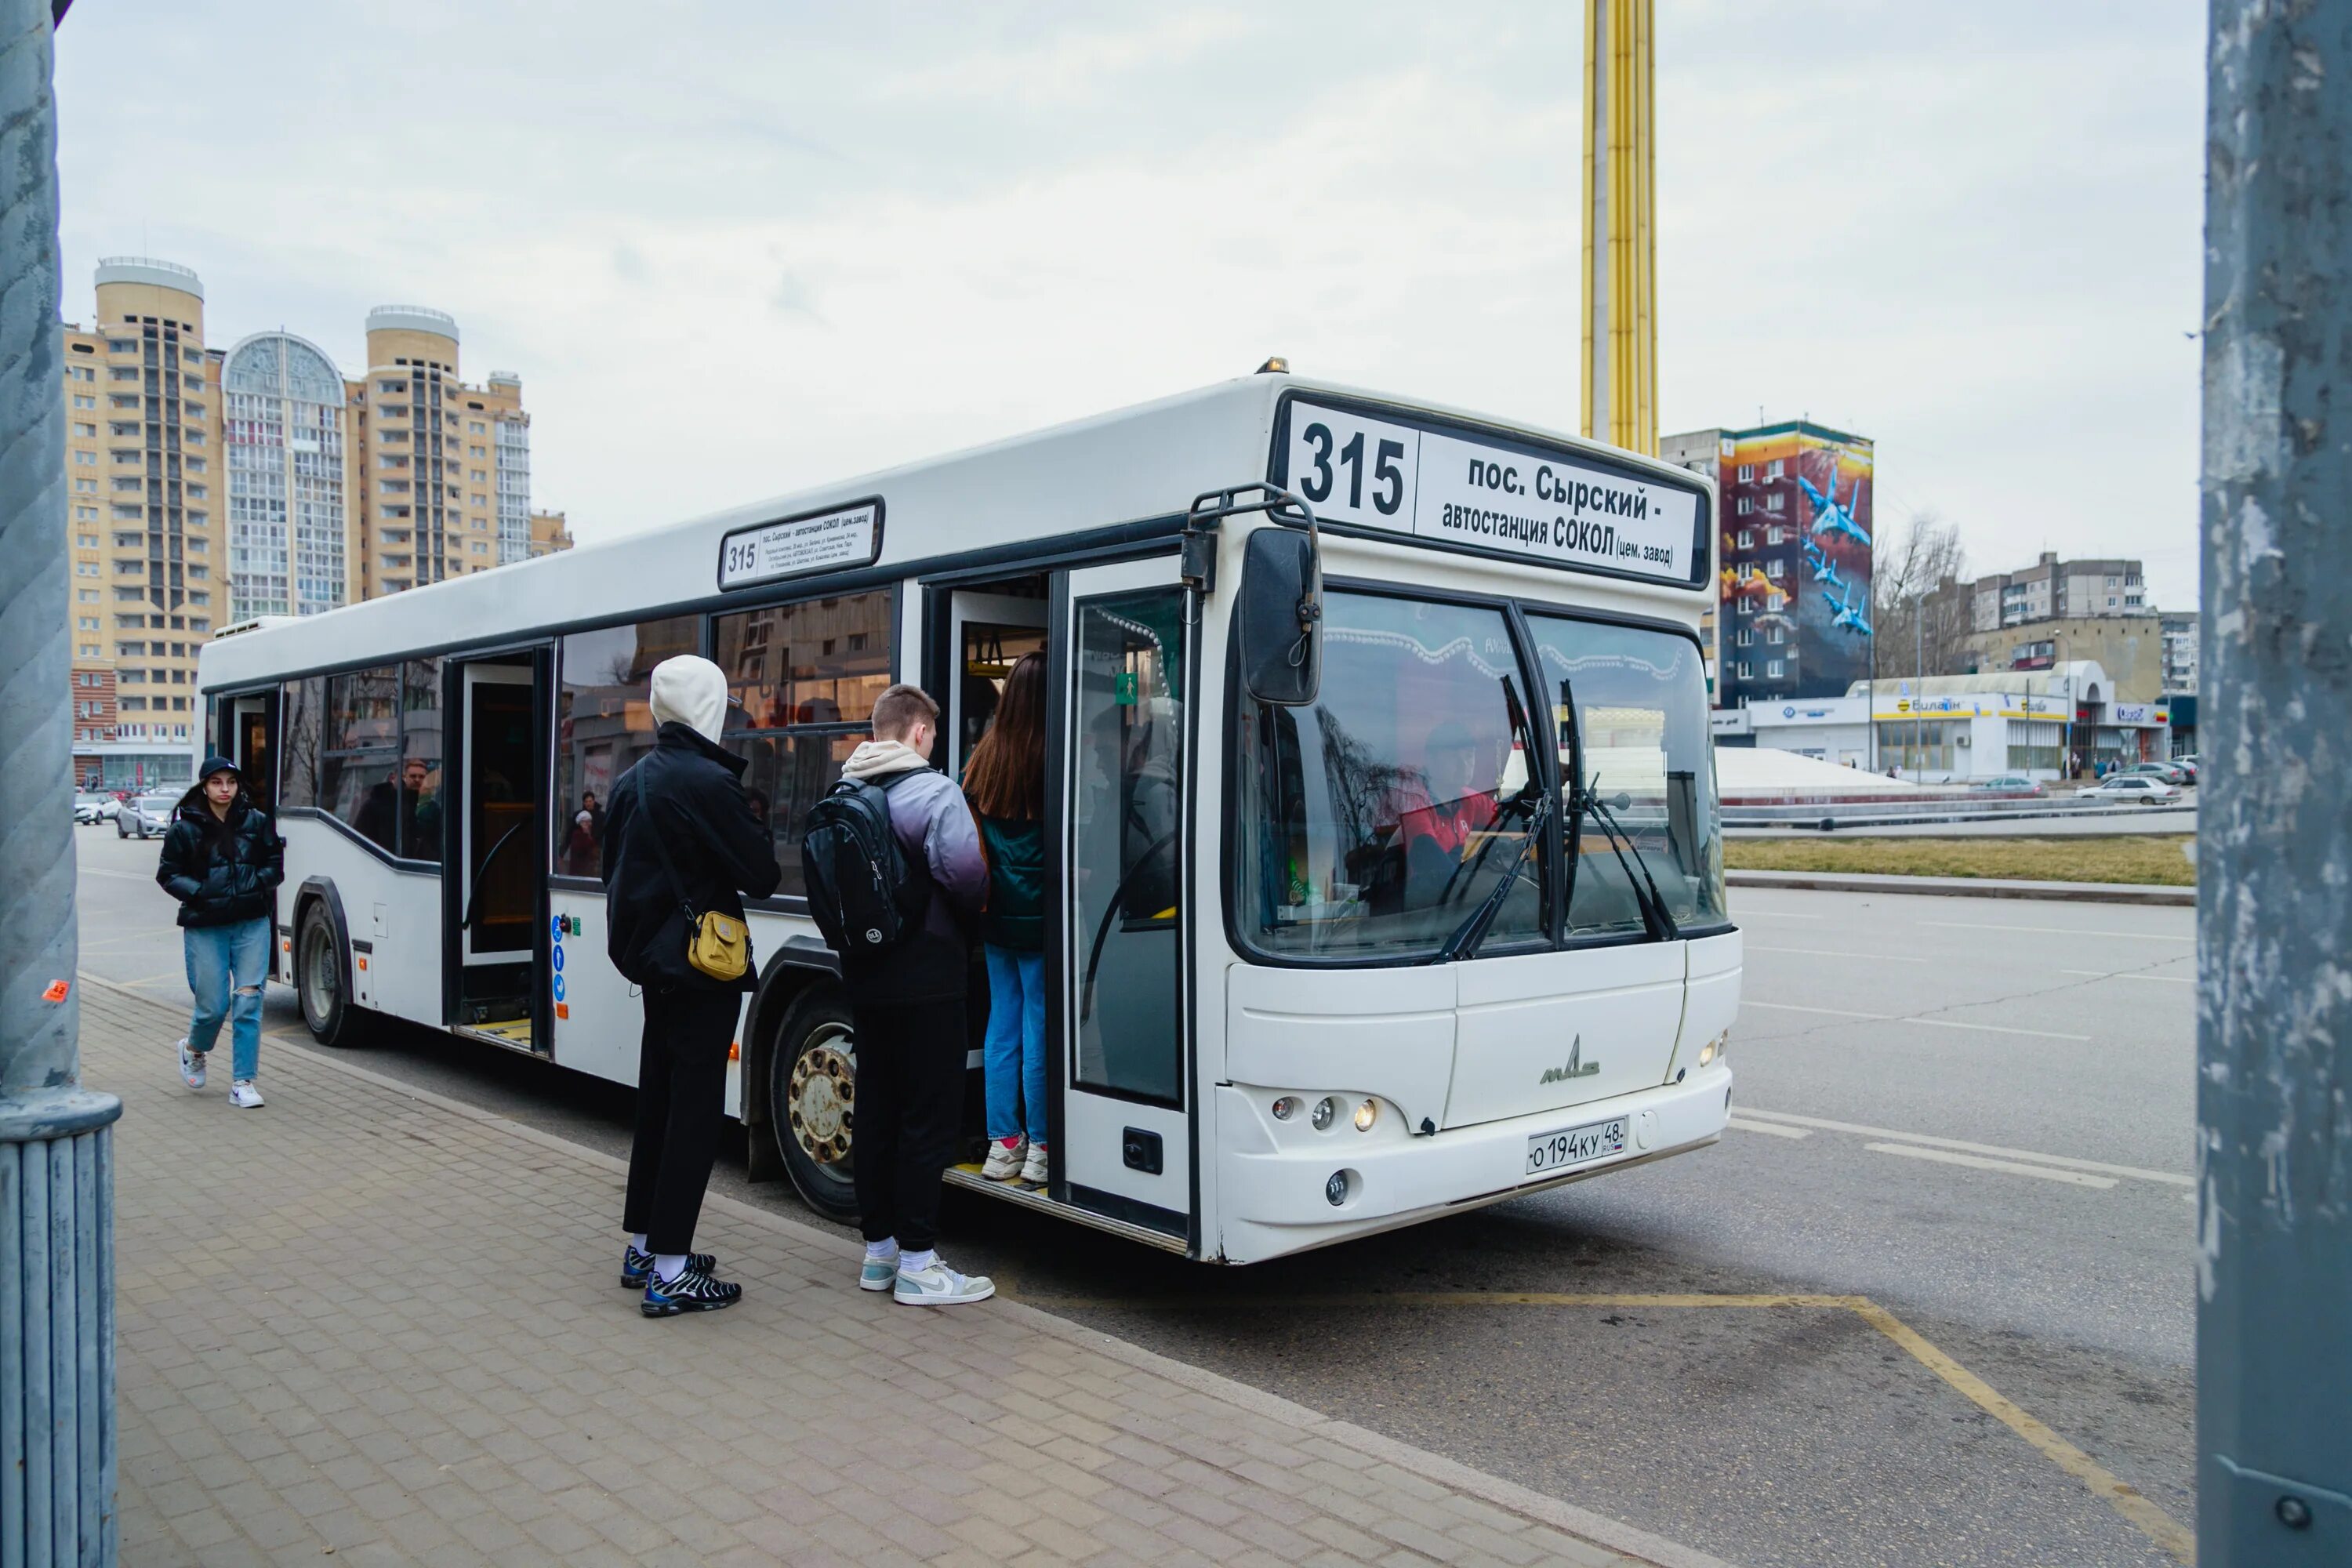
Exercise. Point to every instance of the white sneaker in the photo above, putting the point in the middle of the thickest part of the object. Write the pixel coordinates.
(243, 1096)
(940, 1286)
(1032, 1169)
(1003, 1160)
(192, 1064)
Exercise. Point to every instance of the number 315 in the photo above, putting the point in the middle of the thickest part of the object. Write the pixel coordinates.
(1386, 471)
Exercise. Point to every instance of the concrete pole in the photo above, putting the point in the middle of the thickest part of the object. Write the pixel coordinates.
(2274, 1254)
(57, 1177)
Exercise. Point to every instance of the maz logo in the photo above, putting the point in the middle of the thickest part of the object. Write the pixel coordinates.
(1577, 1066)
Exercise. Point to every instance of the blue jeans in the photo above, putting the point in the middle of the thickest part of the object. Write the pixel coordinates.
(227, 965)
(1012, 1061)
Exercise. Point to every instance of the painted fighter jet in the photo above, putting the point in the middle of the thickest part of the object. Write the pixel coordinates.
(1849, 611)
(1830, 517)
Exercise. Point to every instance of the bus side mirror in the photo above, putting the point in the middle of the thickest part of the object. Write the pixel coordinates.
(1282, 617)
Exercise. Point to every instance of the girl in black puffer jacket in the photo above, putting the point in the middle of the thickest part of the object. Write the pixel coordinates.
(223, 861)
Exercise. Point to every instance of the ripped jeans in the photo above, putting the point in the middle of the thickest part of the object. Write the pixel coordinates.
(226, 966)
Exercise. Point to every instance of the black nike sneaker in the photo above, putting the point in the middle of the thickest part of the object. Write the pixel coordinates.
(693, 1291)
(637, 1268)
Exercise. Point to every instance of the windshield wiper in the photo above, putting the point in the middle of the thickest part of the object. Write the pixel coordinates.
(1586, 797)
(1463, 942)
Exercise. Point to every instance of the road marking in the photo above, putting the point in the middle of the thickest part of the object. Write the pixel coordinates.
(2101, 1482)
(2134, 1171)
(126, 876)
(1776, 1130)
(2129, 1501)
(1992, 1028)
(1901, 1018)
(1979, 1162)
(1792, 1007)
(2113, 975)
(1834, 953)
(2054, 930)
(1778, 915)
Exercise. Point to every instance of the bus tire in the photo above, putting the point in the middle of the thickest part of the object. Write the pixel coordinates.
(811, 1101)
(331, 1016)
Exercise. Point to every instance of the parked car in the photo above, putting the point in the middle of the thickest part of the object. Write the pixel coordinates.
(2171, 773)
(146, 815)
(2142, 787)
(2010, 783)
(2188, 762)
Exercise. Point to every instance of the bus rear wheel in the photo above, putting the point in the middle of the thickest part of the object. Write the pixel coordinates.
(333, 1018)
(811, 1102)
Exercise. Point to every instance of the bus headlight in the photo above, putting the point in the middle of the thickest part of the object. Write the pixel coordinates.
(1326, 1110)
(1285, 1108)
(1366, 1114)
(1707, 1053)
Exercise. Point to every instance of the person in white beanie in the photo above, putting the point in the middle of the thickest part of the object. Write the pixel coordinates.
(680, 837)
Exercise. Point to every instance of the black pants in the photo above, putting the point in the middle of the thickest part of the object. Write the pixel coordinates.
(910, 1082)
(681, 1097)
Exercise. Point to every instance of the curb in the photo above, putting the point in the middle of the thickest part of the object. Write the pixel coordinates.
(1969, 888)
(1625, 1538)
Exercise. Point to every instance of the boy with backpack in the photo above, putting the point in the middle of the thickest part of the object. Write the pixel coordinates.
(895, 878)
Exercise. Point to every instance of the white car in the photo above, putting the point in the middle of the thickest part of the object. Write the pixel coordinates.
(144, 815)
(2141, 787)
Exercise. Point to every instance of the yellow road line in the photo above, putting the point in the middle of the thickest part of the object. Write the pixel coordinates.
(2127, 1500)
(2132, 1504)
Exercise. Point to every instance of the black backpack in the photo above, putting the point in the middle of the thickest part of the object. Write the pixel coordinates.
(864, 895)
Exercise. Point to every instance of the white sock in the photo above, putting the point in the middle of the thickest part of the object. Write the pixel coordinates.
(878, 1250)
(669, 1266)
(638, 1241)
(916, 1262)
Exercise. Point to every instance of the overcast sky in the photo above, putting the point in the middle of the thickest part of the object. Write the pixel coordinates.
(733, 248)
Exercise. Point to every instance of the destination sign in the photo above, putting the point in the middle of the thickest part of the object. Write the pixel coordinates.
(795, 546)
(1553, 507)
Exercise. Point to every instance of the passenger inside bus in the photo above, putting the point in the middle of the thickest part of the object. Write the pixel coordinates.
(1439, 833)
(410, 796)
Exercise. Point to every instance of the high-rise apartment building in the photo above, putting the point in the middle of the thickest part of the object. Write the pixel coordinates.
(2179, 629)
(209, 488)
(145, 510)
(2051, 589)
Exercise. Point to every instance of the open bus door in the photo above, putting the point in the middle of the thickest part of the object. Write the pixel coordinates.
(495, 853)
(1119, 843)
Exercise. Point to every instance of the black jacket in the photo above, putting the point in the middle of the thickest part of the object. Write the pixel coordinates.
(693, 790)
(222, 873)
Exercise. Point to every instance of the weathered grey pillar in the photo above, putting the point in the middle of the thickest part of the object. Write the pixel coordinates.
(57, 1177)
(2275, 879)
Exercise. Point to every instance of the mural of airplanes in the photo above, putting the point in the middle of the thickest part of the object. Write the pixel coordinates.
(1830, 516)
(1849, 611)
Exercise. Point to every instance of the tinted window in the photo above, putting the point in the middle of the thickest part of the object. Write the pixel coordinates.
(1640, 706)
(604, 724)
(421, 803)
(1378, 820)
(359, 773)
(306, 707)
(807, 676)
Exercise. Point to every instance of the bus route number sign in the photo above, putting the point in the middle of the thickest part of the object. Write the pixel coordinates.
(792, 546)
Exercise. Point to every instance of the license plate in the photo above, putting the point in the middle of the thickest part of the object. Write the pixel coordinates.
(1549, 1152)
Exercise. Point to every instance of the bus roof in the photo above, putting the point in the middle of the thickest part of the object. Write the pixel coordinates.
(1138, 463)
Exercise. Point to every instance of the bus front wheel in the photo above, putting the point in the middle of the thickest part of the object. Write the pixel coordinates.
(334, 1019)
(811, 1102)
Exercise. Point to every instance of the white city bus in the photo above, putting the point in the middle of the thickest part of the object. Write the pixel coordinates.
(1339, 942)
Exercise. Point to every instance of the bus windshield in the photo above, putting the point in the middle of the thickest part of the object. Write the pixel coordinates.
(1374, 822)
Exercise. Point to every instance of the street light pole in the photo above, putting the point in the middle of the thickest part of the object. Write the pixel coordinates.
(57, 1167)
(2274, 1255)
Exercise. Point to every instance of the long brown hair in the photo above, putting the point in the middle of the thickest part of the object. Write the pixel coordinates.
(1006, 776)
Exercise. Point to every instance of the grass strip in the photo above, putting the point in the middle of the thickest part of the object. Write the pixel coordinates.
(2149, 859)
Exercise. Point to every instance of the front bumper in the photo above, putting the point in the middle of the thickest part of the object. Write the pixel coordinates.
(1271, 1176)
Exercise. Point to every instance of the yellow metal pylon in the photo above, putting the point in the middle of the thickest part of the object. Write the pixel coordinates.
(1618, 386)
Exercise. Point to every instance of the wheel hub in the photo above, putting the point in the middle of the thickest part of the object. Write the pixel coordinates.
(821, 1101)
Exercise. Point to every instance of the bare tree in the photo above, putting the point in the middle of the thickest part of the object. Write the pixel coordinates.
(1921, 596)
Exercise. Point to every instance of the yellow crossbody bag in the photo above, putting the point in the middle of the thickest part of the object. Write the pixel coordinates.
(716, 945)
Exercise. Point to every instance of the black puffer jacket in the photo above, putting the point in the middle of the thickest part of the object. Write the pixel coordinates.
(222, 872)
(694, 790)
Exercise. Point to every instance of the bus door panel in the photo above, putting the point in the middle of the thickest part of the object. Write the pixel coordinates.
(252, 737)
(497, 855)
(986, 632)
(1122, 665)
(1544, 1031)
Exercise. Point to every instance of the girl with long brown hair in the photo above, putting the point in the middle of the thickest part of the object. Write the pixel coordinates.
(1005, 782)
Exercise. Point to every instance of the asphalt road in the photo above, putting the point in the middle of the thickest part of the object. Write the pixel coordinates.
(2051, 1261)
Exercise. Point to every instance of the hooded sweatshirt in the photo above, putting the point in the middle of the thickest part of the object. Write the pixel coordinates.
(936, 831)
(692, 691)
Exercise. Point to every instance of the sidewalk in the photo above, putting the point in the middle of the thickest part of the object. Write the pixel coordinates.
(313, 1369)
